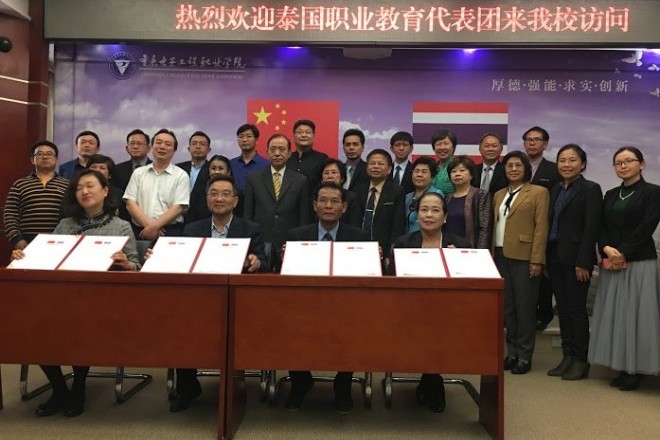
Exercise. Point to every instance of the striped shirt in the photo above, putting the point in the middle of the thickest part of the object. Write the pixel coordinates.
(33, 208)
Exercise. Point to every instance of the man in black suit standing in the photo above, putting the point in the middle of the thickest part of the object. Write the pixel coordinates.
(490, 174)
(137, 146)
(544, 173)
(221, 199)
(306, 160)
(383, 201)
(197, 168)
(278, 197)
(329, 204)
(356, 168)
(401, 145)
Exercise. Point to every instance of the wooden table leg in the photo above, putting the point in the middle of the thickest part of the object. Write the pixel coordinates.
(491, 408)
(1, 403)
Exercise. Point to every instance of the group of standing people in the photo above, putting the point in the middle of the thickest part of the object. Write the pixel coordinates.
(543, 222)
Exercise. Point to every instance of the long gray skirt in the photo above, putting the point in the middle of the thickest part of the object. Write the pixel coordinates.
(625, 330)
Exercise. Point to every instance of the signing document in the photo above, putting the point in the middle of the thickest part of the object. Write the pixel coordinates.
(173, 255)
(419, 263)
(470, 263)
(93, 253)
(307, 258)
(222, 255)
(45, 252)
(360, 258)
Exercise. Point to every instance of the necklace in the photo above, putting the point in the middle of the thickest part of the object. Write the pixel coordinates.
(625, 197)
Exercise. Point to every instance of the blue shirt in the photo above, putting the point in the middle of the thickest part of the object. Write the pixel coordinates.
(194, 172)
(332, 232)
(240, 169)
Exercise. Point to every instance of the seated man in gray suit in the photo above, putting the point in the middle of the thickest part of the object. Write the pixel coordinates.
(221, 198)
(329, 204)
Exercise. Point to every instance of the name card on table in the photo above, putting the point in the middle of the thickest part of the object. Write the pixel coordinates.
(359, 258)
(46, 252)
(419, 263)
(307, 258)
(93, 253)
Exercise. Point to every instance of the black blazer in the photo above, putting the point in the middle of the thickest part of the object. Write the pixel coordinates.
(344, 233)
(631, 231)
(276, 217)
(413, 240)
(578, 223)
(406, 181)
(546, 175)
(360, 176)
(497, 180)
(238, 228)
(197, 208)
(390, 217)
(122, 174)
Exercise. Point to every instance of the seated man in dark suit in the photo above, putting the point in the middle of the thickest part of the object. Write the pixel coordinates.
(221, 197)
(329, 204)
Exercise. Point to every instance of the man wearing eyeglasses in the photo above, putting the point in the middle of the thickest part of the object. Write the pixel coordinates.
(544, 173)
(87, 145)
(249, 161)
(137, 147)
(33, 203)
(221, 199)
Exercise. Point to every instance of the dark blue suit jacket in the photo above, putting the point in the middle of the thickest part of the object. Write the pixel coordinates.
(69, 169)
(238, 228)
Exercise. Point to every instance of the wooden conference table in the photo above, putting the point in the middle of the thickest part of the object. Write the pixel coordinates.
(452, 326)
(234, 323)
(114, 319)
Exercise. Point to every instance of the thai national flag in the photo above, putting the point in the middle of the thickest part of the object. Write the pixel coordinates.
(468, 120)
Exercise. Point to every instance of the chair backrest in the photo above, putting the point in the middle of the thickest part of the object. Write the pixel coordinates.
(268, 250)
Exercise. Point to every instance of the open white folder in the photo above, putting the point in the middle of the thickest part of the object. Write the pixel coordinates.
(173, 255)
(419, 263)
(356, 258)
(470, 263)
(93, 253)
(45, 252)
(222, 255)
(307, 258)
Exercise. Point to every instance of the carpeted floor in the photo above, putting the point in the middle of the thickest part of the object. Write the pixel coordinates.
(536, 407)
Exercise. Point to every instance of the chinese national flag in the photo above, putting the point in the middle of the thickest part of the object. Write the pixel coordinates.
(278, 116)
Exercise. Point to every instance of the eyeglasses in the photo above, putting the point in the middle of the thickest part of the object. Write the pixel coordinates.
(626, 162)
(245, 136)
(535, 140)
(47, 155)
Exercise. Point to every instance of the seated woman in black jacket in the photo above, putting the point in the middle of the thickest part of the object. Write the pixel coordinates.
(431, 216)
